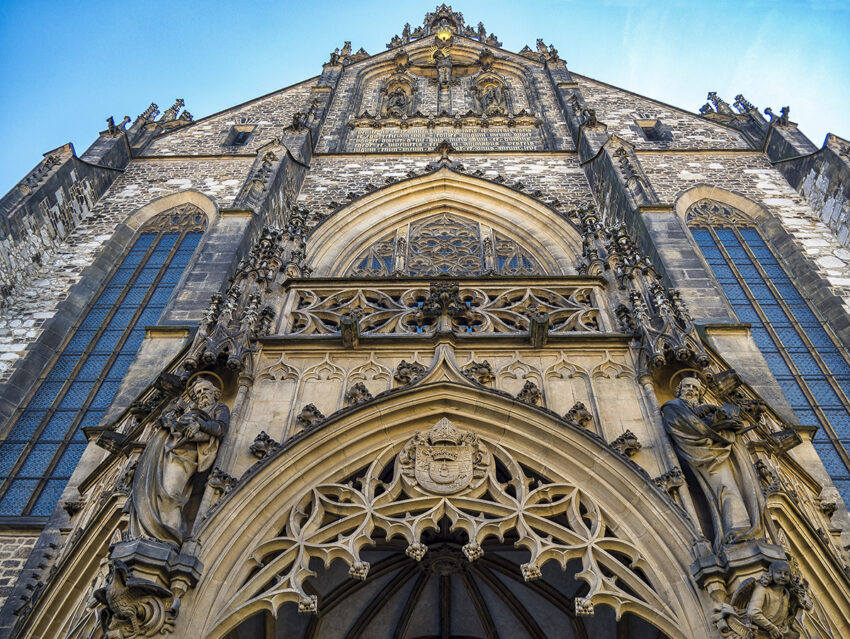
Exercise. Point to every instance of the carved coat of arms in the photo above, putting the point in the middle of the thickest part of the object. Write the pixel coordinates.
(444, 460)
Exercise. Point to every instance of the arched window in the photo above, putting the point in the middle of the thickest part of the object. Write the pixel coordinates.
(444, 244)
(45, 441)
(800, 350)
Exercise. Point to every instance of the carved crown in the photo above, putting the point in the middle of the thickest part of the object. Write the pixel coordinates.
(444, 432)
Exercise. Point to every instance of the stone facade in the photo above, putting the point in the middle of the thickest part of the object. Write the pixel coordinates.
(446, 326)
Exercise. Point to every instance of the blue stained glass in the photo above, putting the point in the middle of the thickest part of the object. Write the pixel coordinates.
(776, 273)
(109, 296)
(819, 337)
(84, 387)
(803, 314)
(105, 395)
(92, 418)
(121, 276)
(158, 257)
(17, 496)
(172, 276)
(751, 236)
(839, 419)
(149, 317)
(805, 363)
(79, 341)
(120, 366)
(134, 341)
(762, 293)
(836, 363)
(45, 395)
(69, 460)
(58, 425)
(146, 276)
(38, 460)
(50, 494)
(844, 385)
(134, 297)
(76, 395)
(738, 255)
(94, 319)
(777, 364)
(807, 417)
(9, 454)
(702, 236)
(746, 313)
(735, 293)
(167, 240)
(775, 315)
(823, 392)
(122, 318)
(723, 271)
(727, 236)
(93, 367)
(712, 252)
(62, 368)
(107, 341)
(790, 338)
(829, 456)
(792, 391)
(788, 293)
(762, 338)
(749, 273)
(25, 427)
(161, 295)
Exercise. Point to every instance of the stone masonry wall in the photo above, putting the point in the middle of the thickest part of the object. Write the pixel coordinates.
(618, 109)
(752, 175)
(270, 114)
(14, 550)
(143, 181)
(556, 180)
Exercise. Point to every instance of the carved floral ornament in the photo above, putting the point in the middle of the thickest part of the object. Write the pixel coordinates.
(450, 473)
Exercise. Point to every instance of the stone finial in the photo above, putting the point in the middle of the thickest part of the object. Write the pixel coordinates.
(530, 394)
(626, 444)
(309, 417)
(357, 394)
(579, 416)
(408, 372)
(263, 445)
(479, 372)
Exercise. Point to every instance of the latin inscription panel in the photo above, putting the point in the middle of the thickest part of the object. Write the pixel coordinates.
(419, 139)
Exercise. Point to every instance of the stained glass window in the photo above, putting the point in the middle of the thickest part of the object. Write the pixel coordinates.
(445, 244)
(45, 441)
(808, 363)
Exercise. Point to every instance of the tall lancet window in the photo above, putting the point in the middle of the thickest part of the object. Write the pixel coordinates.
(800, 350)
(45, 441)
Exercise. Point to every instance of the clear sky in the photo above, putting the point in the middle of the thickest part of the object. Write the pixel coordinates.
(66, 66)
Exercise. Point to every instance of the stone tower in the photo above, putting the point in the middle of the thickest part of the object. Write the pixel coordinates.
(447, 341)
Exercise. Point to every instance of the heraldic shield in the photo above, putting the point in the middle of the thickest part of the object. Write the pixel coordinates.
(445, 460)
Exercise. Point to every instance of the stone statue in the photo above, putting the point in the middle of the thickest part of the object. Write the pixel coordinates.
(765, 607)
(444, 68)
(185, 444)
(705, 436)
(492, 99)
(397, 103)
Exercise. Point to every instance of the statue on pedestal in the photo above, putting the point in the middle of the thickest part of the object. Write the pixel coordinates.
(185, 444)
(706, 438)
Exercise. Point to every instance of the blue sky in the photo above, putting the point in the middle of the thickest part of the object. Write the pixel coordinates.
(66, 66)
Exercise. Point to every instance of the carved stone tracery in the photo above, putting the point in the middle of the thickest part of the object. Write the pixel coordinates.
(450, 474)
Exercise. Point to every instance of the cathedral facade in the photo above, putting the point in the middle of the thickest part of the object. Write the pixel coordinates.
(445, 342)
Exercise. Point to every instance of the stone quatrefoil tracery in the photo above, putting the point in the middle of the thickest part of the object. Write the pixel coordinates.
(476, 310)
(483, 492)
(444, 244)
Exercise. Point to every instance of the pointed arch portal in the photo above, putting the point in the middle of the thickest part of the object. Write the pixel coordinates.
(472, 515)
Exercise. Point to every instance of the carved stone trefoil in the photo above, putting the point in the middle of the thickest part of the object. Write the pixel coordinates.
(444, 460)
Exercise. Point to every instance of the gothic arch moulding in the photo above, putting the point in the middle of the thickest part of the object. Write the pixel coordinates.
(548, 239)
(356, 481)
(141, 215)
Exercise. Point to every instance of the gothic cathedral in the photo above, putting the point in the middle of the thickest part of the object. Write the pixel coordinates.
(446, 342)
